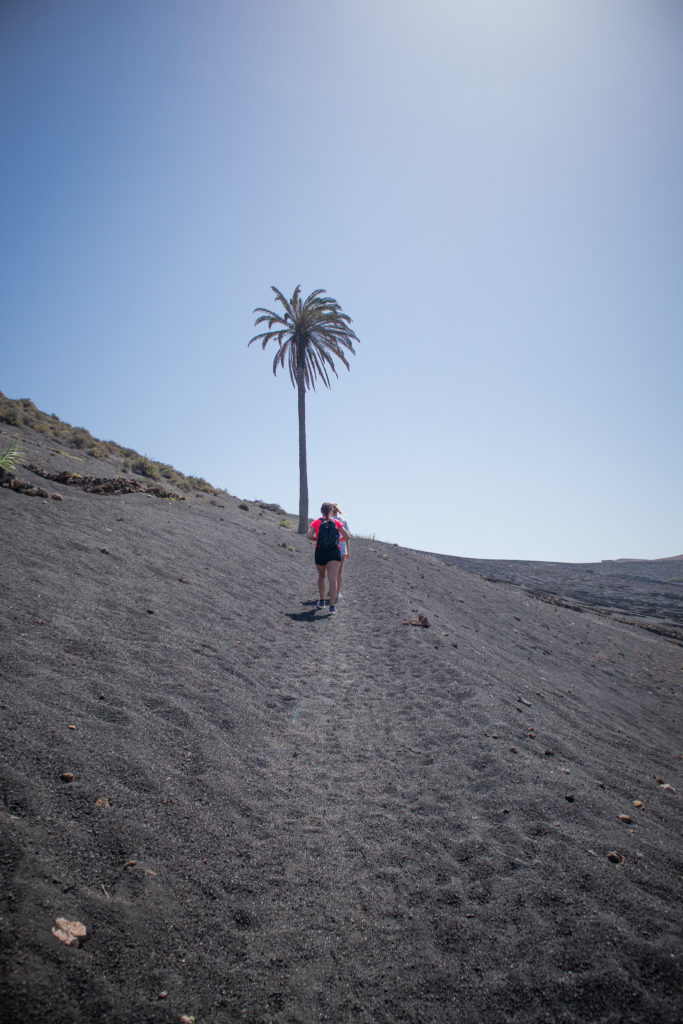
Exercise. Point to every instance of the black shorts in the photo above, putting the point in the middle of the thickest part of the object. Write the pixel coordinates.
(323, 557)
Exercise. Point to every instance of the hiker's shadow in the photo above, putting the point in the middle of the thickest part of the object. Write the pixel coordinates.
(305, 616)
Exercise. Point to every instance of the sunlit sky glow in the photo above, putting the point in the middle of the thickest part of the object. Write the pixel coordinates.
(491, 190)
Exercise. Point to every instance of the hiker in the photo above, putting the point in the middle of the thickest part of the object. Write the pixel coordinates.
(327, 533)
(344, 547)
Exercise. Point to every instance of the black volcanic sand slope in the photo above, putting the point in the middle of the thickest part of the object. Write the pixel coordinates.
(648, 592)
(263, 813)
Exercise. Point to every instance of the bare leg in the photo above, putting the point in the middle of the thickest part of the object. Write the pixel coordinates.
(322, 569)
(333, 578)
(339, 575)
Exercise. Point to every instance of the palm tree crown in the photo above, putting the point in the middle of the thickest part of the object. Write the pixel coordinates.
(310, 334)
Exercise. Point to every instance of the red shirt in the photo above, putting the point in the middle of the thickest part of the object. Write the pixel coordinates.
(315, 525)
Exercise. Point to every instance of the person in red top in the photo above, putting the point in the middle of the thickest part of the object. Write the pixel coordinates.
(327, 533)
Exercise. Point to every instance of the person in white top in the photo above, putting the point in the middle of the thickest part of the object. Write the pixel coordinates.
(344, 545)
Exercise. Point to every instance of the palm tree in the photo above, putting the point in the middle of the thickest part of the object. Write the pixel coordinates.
(310, 334)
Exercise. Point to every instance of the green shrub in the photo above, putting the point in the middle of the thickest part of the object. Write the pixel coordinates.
(98, 450)
(243, 505)
(10, 416)
(285, 524)
(200, 484)
(145, 467)
(80, 438)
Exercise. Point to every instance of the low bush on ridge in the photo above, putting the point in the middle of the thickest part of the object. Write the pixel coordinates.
(22, 412)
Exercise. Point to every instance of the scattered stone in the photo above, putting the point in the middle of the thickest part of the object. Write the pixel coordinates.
(639, 804)
(67, 776)
(513, 750)
(421, 621)
(72, 933)
(549, 752)
(102, 802)
(616, 858)
(16, 483)
(569, 797)
(105, 551)
(162, 995)
(624, 819)
(56, 497)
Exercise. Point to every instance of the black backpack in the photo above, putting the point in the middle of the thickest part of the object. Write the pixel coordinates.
(328, 535)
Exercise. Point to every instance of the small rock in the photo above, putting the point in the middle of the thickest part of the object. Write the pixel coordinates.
(102, 802)
(624, 819)
(57, 497)
(513, 750)
(67, 776)
(549, 752)
(639, 804)
(71, 933)
(569, 797)
(616, 858)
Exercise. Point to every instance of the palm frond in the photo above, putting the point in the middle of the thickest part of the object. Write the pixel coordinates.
(13, 454)
(310, 335)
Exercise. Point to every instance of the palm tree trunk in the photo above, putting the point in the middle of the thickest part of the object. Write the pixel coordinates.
(303, 472)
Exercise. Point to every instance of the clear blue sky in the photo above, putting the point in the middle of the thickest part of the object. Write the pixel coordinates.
(491, 190)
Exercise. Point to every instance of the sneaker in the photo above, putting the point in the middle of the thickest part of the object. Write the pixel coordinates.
(338, 596)
(320, 604)
(333, 609)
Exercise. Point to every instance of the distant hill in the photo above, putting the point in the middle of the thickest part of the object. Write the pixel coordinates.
(673, 558)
